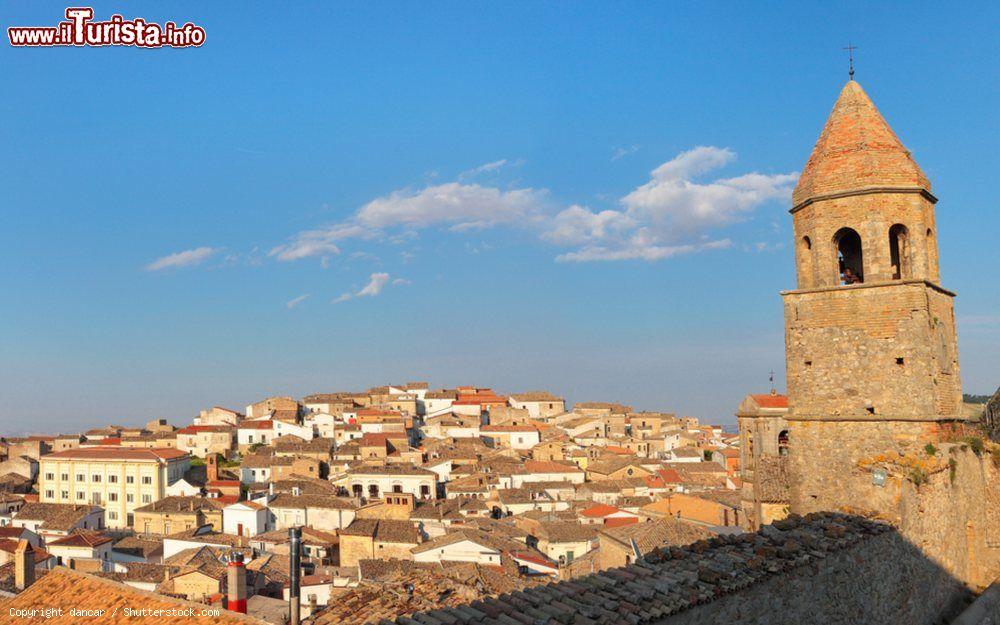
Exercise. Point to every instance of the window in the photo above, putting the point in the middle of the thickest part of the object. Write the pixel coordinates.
(49, 494)
(129, 498)
(783, 443)
(64, 494)
(95, 498)
(64, 477)
(50, 476)
(80, 495)
(147, 479)
(129, 479)
(80, 477)
(95, 478)
(113, 479)
(112, 515)
(850, 259)
(898, 252)
(112, 496)
(147, 499)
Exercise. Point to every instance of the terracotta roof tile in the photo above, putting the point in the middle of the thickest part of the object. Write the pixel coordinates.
(857, 149)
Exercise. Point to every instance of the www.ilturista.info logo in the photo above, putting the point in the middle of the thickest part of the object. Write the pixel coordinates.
(79, 29)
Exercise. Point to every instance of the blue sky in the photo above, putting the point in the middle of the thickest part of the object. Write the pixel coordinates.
(589, 198)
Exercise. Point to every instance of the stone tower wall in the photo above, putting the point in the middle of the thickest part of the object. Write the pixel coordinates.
(884, 350)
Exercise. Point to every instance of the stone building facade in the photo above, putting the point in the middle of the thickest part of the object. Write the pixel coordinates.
(764, 438)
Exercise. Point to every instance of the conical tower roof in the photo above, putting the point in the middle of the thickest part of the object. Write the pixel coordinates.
(857, 150)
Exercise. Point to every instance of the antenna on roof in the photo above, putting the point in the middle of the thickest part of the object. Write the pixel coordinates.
(850, 55)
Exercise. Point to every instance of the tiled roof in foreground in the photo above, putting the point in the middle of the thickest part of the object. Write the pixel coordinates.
(67, 589)
(665, 581)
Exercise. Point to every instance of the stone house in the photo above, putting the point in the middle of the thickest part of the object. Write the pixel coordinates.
(86, 550)
(621, 546)
(377, 539)
(561, 541)
(547, 471)
(174, 514)
(374, 480)
(52, 521)
(218, 416)
(321, 512)
(268, 406)
(712, 508)
(520, 437)
(206, 440)
(539, 404)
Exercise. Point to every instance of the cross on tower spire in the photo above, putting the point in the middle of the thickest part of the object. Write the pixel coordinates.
(773, 390)
(850, 55)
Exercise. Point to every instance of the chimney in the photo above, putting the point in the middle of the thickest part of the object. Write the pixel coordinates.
(211, 467)
(24, 565)
(294, 552)
(236, 582)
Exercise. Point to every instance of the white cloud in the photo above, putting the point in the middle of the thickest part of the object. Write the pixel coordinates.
(320, 242)
(619, 153)
(577, 225)
(673, 202)
(491, 167)
(375, 285)
(671, 214)
(674, 212)
(638, 249)
(292, 303)
(401, 282)
(458, 206)
(187, 258)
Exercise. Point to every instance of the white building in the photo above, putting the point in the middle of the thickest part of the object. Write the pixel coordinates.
(514, 436)
(245, 518)
(254, 432)
(374, 481)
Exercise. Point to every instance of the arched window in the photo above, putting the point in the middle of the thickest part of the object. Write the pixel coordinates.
(783, 443)
(850, 262)
(899, 253)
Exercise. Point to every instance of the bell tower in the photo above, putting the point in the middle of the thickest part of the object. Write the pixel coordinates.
(870, 342)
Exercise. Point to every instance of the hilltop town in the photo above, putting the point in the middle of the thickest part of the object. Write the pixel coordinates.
(460, 488)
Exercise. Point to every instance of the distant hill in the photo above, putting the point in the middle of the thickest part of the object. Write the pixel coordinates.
(975, 399)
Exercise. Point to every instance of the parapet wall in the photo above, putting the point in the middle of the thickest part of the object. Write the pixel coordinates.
(882, 580)
(823, 569)
(947, 502)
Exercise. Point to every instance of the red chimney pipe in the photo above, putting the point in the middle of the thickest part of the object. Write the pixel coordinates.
(236, 597)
